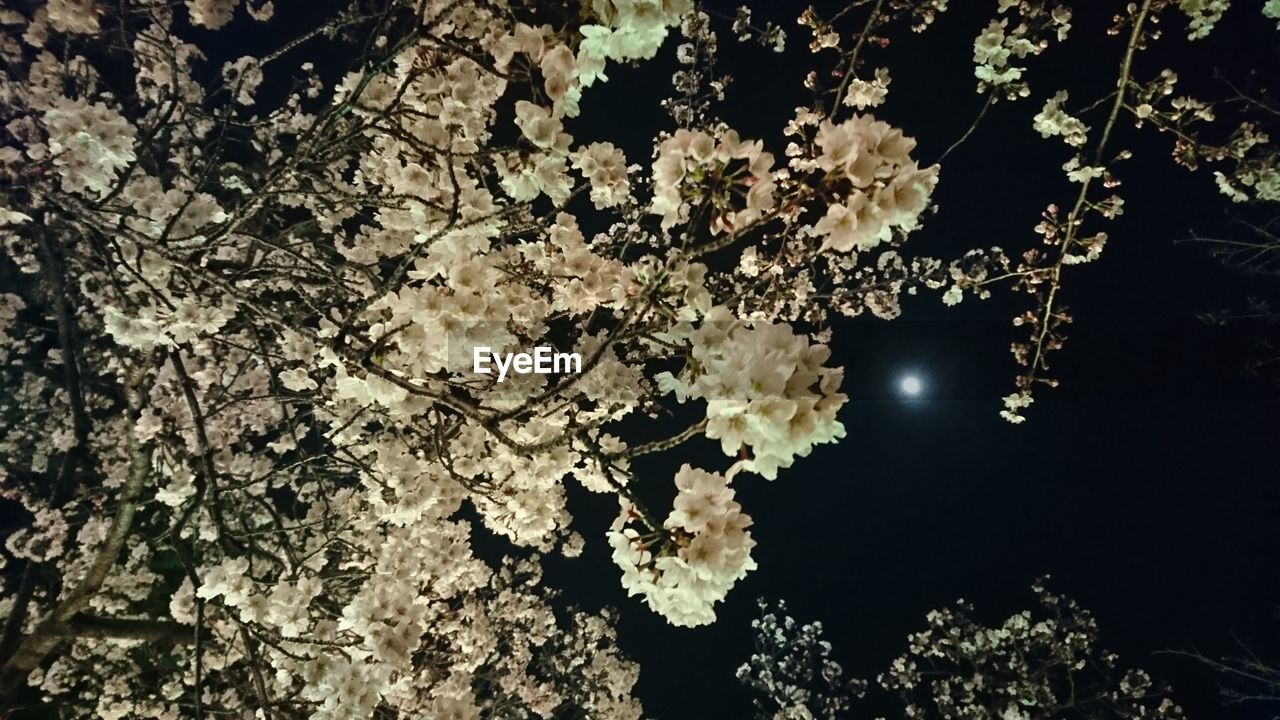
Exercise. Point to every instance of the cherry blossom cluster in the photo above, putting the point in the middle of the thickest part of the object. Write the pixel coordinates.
(701, 550)
(1045, 663)
(771, 35)
(1039, 663)
(89, 144)
(731, 175)
(766, 389)
(863, 94)
(697, 87)
(1246, 156)
(630, 29)
(1202, 15)
(1002, 46)
(791, 671)
(878, 187)
(1054, 121)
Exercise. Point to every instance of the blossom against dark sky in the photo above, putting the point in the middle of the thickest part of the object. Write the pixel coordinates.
(1144, 485)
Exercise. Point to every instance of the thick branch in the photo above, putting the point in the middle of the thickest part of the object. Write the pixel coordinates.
(92, 626)
(63, 485)
(53, 629)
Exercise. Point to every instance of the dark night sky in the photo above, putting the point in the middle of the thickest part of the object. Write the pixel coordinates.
(1146, 484)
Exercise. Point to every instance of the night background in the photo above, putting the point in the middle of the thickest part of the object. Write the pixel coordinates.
(1145, 485)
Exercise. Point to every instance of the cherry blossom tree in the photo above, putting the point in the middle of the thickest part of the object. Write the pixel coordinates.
(791, 672)
(242, 293)
(1037, 664)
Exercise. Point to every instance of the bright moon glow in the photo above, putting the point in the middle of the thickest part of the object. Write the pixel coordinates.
(911, 385)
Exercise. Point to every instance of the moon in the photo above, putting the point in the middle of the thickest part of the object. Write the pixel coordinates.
(911, 385)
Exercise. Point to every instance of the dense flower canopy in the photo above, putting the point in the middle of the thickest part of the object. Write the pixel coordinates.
(243, 292)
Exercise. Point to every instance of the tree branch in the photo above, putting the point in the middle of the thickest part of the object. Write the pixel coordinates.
(92, 626)
(54, 628)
